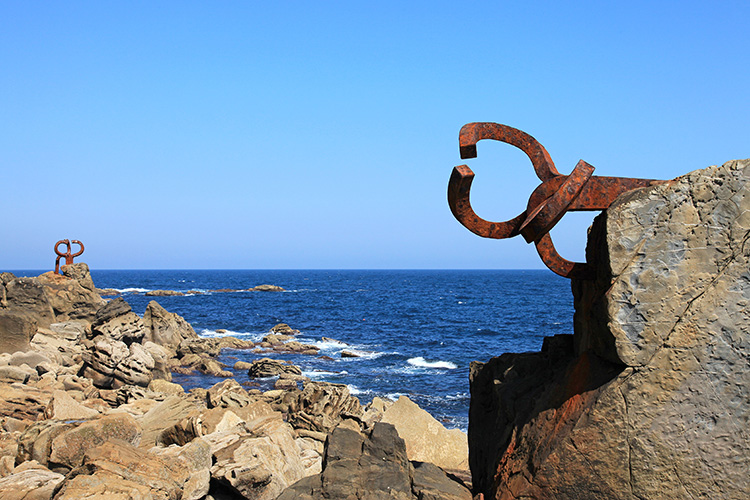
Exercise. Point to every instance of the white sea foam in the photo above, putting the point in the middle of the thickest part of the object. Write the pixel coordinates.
(314, 374)
(133, 290)
(330, 345)
(354, 390)
(223, 333)
(423, 363)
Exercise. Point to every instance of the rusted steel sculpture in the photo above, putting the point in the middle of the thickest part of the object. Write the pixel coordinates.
(68, 256)
(556, 195)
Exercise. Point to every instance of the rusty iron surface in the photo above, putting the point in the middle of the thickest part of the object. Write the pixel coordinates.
(68, 255)
(558, 194)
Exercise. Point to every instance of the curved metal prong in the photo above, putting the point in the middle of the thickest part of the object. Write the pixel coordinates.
(459, 187)
(471, 133)
(79, 251)
(561, 266)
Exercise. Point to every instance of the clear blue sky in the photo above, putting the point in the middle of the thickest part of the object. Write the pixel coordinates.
(322, 134)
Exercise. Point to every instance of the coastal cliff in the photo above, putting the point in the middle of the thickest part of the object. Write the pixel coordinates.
(650, 398)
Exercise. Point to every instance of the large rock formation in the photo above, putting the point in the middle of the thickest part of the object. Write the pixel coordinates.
(651, 398)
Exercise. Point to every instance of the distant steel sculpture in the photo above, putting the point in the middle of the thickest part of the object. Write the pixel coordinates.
(68, 256)
(556, 195)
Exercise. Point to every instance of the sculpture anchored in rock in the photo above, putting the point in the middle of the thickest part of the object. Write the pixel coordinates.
(558, 194)
(68, 255)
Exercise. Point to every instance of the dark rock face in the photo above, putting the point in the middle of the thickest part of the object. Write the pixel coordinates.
(373, 466)
(653, 398)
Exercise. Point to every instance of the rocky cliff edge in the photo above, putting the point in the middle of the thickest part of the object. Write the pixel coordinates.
(650, 398)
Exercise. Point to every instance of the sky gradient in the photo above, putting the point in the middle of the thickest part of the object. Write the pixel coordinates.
(298, 135)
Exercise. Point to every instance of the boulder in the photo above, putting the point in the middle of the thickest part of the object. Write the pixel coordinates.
(23, 402)
(161, 357)
(60, 343)
(16, 331)
(373, 466)
(426, 439)
(652, 399)
(265, 367)
(284, 329)
(69, 447)
(165, 328)
(30, 481)
(164, 416)
(195, 458)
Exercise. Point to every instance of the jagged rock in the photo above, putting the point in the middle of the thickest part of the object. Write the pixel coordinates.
(30, 481)
(111, 310)
(16, 331)
(426, 439)
(165, 328)
(126, 327)
(103, 359)
(431, 483)
(212, 367)
(69, 299)
(209, 347)
(265, 367)
(228, 393)
(259, 465)
(274, 339)
(135, 369)
(653, 400)
(320, 407)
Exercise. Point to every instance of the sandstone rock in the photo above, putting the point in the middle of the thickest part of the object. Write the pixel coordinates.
(103, 359)
(431, 483)
(16, 331)
(165, 328)
(653, 400)
(111, 310)
(230, 342)
(64, 407)
(260, 467)
(426, 439)
(228, 393)
(107, 292)
(212, 367)
(69, 299)
(195, 457)
(69, 447)
(80, 272)
(242, 365)
(117, 470)
(165, 387)
(135, 369)
(161, 357)
(164, 416)
(23, 402)
(19, 374)
(62, 346)
(30, 481)
(265, 367)
(27, 296)
(320, 407)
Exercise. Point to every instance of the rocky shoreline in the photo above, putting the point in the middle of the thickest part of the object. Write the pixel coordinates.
(88, 410)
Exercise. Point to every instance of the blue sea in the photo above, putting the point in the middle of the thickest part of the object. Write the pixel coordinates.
(416, 331)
